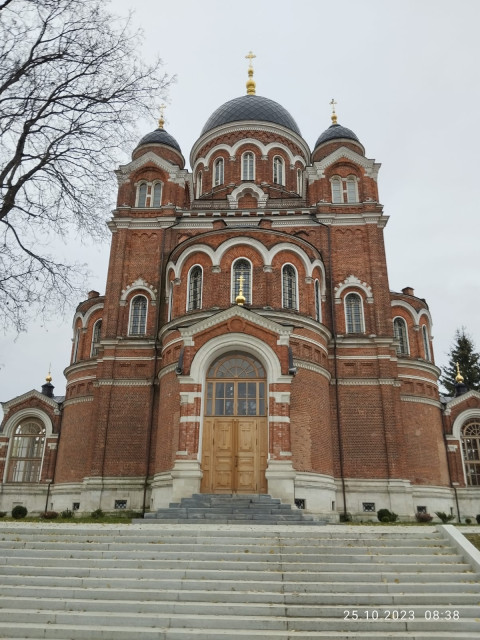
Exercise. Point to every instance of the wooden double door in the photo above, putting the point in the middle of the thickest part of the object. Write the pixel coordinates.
(235, 442)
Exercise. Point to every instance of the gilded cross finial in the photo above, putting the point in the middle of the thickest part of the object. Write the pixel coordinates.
(240, 299)
(334, 115)
(458, 377)
(49, 375)
(250, 82)
(161, 120)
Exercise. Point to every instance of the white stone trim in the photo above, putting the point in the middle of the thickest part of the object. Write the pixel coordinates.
(175, 173)
(86, 317)
(284, 419)
(421, 400)
(416, 315)
(312, 366)
(297, 336)
(127, 382)
(25, 396)
(23, 414)
(80, 400)
(280, 397)
(358, 382)
(353, 281)
(139, 284)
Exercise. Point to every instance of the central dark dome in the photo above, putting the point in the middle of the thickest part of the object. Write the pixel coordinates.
(251, 107)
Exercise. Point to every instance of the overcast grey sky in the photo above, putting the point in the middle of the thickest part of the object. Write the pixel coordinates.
(405, 76)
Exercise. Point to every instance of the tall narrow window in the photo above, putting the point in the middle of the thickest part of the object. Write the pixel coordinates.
(76, 345)
(470, 437)
(26, 453)
(354, 313)
(96, 338)
(318, 302)
(426, 344)
(142, 195)
(299, 182)
(195, 289)
(289, 287)
(199, 187)
(351, 189)
(242, 269)
(157, 195)
(138, 316)
(337, 191)
(401, 334)
(278, 170)
(170, 301)
(219, 170)
(248, 166)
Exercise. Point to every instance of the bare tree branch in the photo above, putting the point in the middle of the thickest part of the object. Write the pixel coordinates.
(72, 87)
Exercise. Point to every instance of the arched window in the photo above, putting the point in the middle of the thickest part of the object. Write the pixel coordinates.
(354, 313)
(26, 452)
(195, 288)
(278, 173)
(157, 195)
(95, 338)
(242, 268)
(299, 182)
(76, 345)
(401, 334)
(142, 195)
(351, 189)
(337, 191)
(426, 344)
(248, 166)
(219, 171)
(318, 302)
(198, 191)
(289, 287)
(470, 437)
(138, 316)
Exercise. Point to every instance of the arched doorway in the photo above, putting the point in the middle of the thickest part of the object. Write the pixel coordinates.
(235, 442)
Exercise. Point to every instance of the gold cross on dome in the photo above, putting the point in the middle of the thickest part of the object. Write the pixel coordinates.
(250, 56)
(161, 120)
(334, 115)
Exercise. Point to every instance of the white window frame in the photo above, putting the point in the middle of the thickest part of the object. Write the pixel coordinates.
(188, 307)
(76, 344)
(278, 161)
(26, 420)
(362, 317)
(405, 333)
(426, 343)
(95, 334)
(219, 171)
(341, 189)
(317, 292)
(295, 306)
(130, 318)
(199, 185)
(156, 184)
(467, 462)
(170, 301)
(252, 176)
(141, 184)
(250, 282)
(300, 182)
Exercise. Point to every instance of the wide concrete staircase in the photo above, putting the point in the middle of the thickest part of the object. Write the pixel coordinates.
(231, 509)
(211, 582)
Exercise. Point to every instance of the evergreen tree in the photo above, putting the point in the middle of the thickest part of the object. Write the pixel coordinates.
(463, 352)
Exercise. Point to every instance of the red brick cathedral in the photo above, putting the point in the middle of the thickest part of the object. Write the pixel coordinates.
(247, 342)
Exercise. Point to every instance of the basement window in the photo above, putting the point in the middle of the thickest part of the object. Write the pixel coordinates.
(421, 509)
(300, 503)
(120, 504)
(369, 507)
(75, 506)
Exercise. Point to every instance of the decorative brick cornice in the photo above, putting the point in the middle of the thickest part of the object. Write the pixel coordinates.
(9, 404)
(81, 400)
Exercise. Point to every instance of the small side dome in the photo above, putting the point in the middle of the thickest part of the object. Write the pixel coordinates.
(251, 107)
(160, 136)
(335, 131)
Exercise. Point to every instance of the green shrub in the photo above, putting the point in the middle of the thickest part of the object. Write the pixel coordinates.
(67, 513)
(385, 515)
(49, 515)
(477, 518)
(423, 517)
(98, 513)
(3, 514)
(19, 512)
(444, 517)
(468, 521)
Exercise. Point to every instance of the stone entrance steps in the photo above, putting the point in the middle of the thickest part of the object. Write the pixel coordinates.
(106, 582)
(231, 509)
